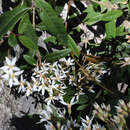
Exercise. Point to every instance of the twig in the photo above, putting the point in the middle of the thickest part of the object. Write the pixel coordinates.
(33, 12)
(89, 77)
(69, 5)
(22, 2)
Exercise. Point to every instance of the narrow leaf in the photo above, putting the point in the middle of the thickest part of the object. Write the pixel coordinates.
(29, 38)
(41, 26)
(27, 42)
(72, 45)
(120, 31)
(111, 15)
(110, 28)
(12, 41)
(10, 18)
(30, 60)
(51, 39)
(52, 22)
(55, 26)
(57, 55)
(82, 107)
(92, 16)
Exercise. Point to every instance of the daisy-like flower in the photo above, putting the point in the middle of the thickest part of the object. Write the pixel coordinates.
(70, 104)
(52, 86)
(12, 77)
(87, 122)
(50, 99)
(35, 84)
(22, 83)
(58, 76)
(68, 62)
(10, 65)
(98, 127)
(45, 67)
(42, 87)
(29, 89)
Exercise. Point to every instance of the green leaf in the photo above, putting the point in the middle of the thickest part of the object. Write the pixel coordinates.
(72, 45)
(31, 52)
(29, 38)
(12, 41)
(30, 60)
(53, 23)
(110, 28)
(120, 31)
(51, 39)
(41, 26)
(69, 93)
(82, 107)
(10, 18)
(28, 43)
(92, 16)
(55, 26)
(83, 99)
(111, 15)
(57, 55)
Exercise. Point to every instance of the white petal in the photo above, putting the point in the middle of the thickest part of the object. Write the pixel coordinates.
(8, 61)
(14, 61)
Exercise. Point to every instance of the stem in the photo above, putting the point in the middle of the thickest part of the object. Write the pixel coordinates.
(22, 2)
(89, 77)
(69, 5)
(33, 11)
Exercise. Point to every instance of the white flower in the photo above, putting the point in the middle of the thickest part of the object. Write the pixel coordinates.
(35, 84)
(22, 83)
(45, 67)
(87, 122)
(10, 65)
(58, 76)
(69, 105)
(50, 99)
(29, 89)
(42, 88)
(52, 86)
(98, 127)
(12, 77)
(68, 62)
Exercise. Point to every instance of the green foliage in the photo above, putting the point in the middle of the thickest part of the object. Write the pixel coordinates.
(103, 66)
(53, 23)
(55, 26)
(57, 55)
(111, 29)
(30, 60)
(29, 38)
(12, 41)
(10, 18)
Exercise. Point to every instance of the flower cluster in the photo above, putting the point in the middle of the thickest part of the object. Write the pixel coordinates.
(47, 78)
(117, 121)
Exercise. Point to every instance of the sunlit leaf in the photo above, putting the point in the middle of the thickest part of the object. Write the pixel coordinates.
(111, 29)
